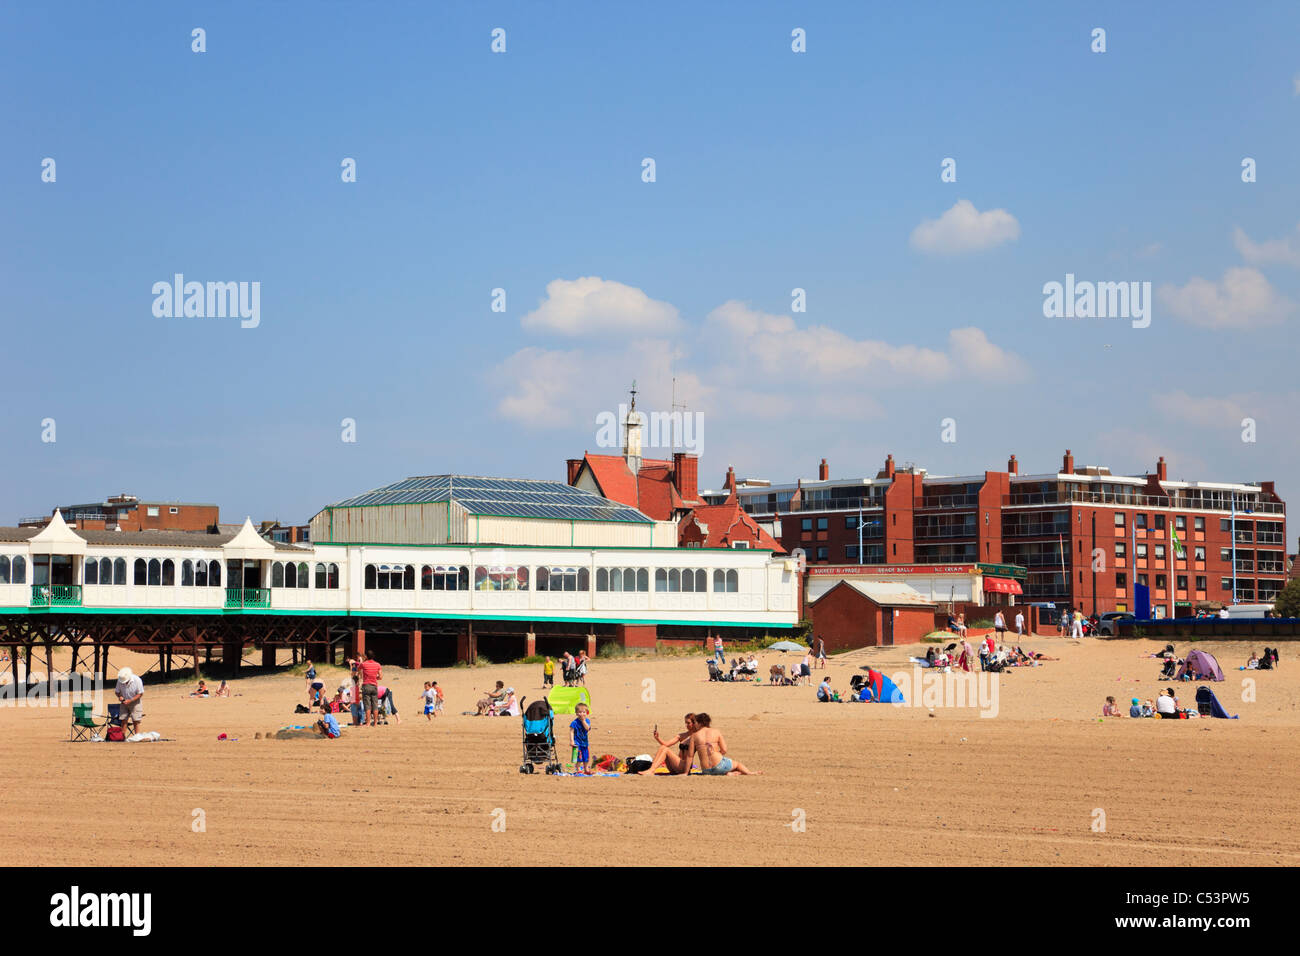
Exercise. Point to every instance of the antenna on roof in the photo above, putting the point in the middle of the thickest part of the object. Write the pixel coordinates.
(672, 420)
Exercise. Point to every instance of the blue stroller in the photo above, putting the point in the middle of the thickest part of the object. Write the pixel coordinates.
(539, 738)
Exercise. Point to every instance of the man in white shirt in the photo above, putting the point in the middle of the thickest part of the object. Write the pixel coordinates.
(130, 692)
(1166, 705)
(1020, 624)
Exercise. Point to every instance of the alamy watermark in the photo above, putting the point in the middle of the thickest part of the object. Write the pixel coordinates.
(1098, 300)
(213, 300)
(38, 690)
(675, 430)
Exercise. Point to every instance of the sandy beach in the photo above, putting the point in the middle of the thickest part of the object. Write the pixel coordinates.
(841, 783)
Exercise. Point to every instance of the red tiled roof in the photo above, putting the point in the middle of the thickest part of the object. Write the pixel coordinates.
(727, 523)
(651, 491)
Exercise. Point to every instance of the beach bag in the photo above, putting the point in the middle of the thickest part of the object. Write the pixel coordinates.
(115, 733)
(300, 709)
(637, 764)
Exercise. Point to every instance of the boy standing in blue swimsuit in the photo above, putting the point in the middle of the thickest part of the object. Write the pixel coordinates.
(578, 731)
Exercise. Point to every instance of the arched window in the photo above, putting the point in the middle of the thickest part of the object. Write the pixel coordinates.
(201, 573)
(701, 581)
(304, 575)
(688, 581)
(277, 575)
(616, 580)
(321, 584)
(733, 582)
(333, 577)
(4, 569)
(642, 580)
(661, 580)
(290, 574)
(408, 578)
(105, 571)
(602, 579)
(674, 580)
(214, 574)
(92, 572)
(119, 570)
(371, 576)
(481, 582)
(719, 581)
(521, 576)
(584, 579)
(187, 573)
(141, 572)
(462, 578)
(19, 571)
(155, 572)
(543, 579)
(169, 573)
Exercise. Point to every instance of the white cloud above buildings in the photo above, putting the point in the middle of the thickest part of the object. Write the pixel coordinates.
(1242, 299)
(1284, 251)
(963, 229)
(591, 306)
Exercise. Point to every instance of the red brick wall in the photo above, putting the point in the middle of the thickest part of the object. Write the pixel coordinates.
(845, 618)
(187, 518)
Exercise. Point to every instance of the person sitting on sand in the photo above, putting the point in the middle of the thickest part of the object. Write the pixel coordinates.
(1137, 710)
(1167, 704)
(328, 725)
(824, 694)
(1253, 663)
(510, 706)
(1110, 708)
(223, 690)
(665, 757)
(202, 690)
(487, 705)
(711, 747)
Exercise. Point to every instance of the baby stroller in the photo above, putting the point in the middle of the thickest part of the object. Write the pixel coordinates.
(716, 672)
(1171, 666)
(539, 738)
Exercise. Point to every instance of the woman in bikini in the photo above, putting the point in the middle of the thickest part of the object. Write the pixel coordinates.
(712, 749)
(665, 756)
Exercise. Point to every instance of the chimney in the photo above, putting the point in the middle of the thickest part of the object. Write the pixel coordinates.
(1067, 464)
(1013, 466)
(730, 481)
(575, 466)
(889, 466)
(686, 475)
(1162, 470)
(824, 471)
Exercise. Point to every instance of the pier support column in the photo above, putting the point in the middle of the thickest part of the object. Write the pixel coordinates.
(591, 645)
(230, 653)
(466, 645)
(530, 644)
(359, 643)
(415, 650)
(268, 655)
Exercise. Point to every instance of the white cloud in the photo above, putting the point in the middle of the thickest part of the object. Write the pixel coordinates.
(1243, 298)
(1205, 410)
(595, 306)
(1284, 251)
(541, 387)
(963, 228)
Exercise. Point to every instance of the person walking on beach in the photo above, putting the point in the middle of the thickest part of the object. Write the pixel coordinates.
(580, 669)
(718, 654)
(711, 748)
(821, 654)
(370, 674)
(1020, 624)
(1000, 625)
(548, 673)
(1076, 629)
(429, 697)
(568, 669)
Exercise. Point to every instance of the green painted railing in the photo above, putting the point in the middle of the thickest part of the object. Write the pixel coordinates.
(56, 595)
(248, 597)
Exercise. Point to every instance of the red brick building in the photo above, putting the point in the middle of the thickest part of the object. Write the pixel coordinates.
(1085, 535)
(864, 614)
(129, 513)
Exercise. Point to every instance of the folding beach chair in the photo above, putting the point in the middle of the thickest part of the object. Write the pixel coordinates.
(84, 722)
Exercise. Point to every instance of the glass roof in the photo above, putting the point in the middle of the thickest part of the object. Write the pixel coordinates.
(511, 497)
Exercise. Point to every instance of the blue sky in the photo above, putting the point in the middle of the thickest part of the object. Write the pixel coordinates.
(774, 170)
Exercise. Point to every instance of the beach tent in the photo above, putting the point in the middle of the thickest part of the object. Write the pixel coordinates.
(564, 700)
(1209, 705)
(880, 689)
(1201, 666)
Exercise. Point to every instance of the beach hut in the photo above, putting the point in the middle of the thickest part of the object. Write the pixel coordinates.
(1201, 665)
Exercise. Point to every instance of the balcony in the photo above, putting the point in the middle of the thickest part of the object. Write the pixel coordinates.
(950, 501)
(56, 595)
(821, 504)
(238, 599)
(1133, 500)
(1035, 530)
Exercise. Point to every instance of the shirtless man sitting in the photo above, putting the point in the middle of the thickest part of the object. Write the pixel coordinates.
(711, 747)
(665, 757)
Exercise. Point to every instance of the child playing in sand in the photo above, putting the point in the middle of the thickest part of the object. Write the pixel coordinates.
(437, 700)
(1110, 708)
(430, 697)
(328, 725)
(578, 731)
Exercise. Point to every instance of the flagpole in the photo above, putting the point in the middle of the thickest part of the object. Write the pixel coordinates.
(1233, 529)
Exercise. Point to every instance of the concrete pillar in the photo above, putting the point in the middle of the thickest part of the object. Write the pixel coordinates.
(268, 655)
(414, 650)
(591, 645)
(359, 642)
(530, 644)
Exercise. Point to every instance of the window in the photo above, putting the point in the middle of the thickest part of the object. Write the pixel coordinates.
(187, 573)
(1161, 582)
(1121, 550)
(201, 573)
(1141, 552)
(1160, 522)
(1225, 554)
(821, 524)
(92, 571)
(1182, 582)
(822, 554)
(214, 574)
(851, 552)
(151, 511)
(1225, 524)
(106, 571)
(1198, 524)
(1121, 580)
(4, 569)
(1199, 553)
(1139, 521)
(19, 572)
(805, 524)
(320, 577)
(740, 544)
(1119, 519)
(140, 572)
(174, 511)
(382, 577)
(1180, 523)
(1142, 580)
(155, 572)
(277, 575)
(725, 582)
(1200, 582)
(1160, 552)
(851, 523)
(1225, 584)
(439, 577)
